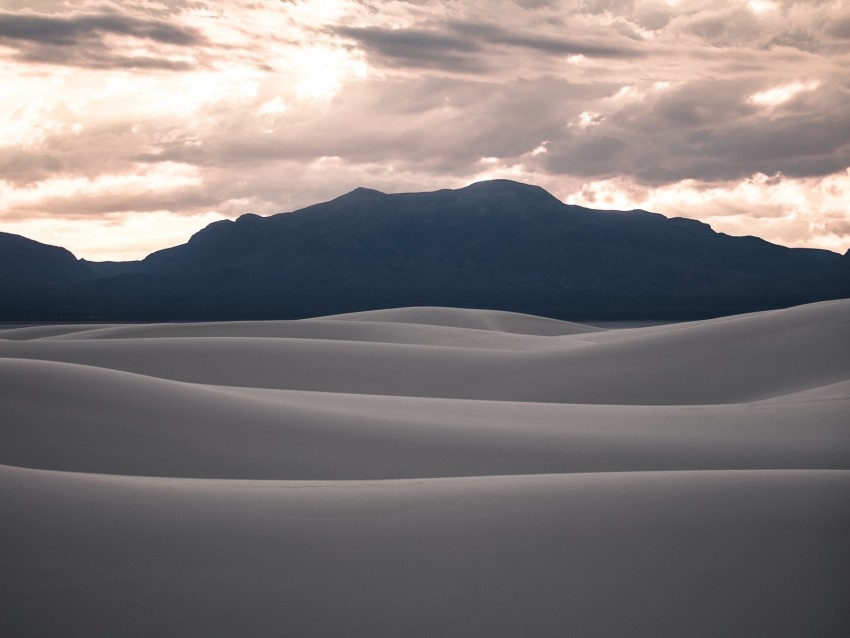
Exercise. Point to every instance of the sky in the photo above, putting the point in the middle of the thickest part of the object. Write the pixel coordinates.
(125, 127)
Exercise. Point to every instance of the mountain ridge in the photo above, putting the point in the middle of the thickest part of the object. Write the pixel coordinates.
(496, 244)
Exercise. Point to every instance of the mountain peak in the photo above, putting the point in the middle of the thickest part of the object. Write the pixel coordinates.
(508, 188)
(490, 187)
(362, 191)
(500, 184)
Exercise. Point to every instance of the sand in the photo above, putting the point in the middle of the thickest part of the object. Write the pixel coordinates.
(428, 472)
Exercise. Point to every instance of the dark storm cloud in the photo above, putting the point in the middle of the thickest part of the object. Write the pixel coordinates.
(790, 137)
(585, 156)
(493, 34)
(79, 39)
(839, 28)
(417, 48)
(793, 146)
(100, 57)
(725, 28)
(710, 131)
(67, 31)
(461, 45)
(698, 103)
(796, 39)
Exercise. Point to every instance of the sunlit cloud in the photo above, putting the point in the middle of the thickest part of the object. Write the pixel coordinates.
(781, 94)
(274, 106)
(104, 193)
(793, 212)
(760, 6)
(115, 237)
(586, 119)
(323, 69)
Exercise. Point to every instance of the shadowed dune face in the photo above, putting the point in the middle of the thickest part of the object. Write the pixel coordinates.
(81, 418)
(428, 471)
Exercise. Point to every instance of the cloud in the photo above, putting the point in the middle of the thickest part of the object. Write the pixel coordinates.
(728, 26)
(585, 156)
(415, 47)
(152, 187)
(276, 105)
(797, 39)
(840, 27)
(492, 34)
(791, 211)
(461, 45)
(68, 31)
(82, 39)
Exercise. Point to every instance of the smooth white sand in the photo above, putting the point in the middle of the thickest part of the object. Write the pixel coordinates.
(727, 361)
(80, 418)
(428, 472)
(496, 320)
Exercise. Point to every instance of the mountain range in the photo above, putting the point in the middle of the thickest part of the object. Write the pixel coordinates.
(497, 244)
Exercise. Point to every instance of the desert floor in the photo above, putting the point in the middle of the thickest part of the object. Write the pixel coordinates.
(428, 472)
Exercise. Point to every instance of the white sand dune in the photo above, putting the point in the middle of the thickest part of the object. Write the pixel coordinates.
(737, 553)
(323, 329)
(428, 472)
(24, 333)
(727, 361)
(79, 418)
(497, 320)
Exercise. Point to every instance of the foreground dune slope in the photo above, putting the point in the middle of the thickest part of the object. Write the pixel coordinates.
(428, 472)
(738, 553)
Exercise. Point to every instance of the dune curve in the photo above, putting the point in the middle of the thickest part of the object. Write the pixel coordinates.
(425, 472)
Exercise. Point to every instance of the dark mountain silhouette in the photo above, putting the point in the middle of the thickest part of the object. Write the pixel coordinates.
(27, 265)
(497, 244)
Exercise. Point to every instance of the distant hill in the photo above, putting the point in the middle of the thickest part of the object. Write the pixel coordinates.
(27, 265)
(496, 244)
